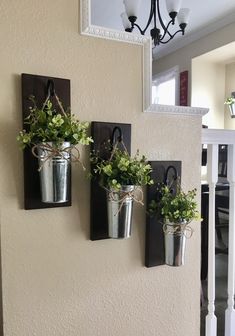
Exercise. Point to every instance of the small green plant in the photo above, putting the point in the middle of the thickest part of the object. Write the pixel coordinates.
(121, 169)
(177, 208)
(46, 125)
(229, 101)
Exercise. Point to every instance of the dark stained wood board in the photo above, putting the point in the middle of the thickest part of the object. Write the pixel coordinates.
(154, 236)
(37, 86)
(101, 133)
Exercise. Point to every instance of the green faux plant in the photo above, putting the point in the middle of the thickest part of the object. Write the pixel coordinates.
(46, 125)
(177, 208)
(121, 169)
(229, 101)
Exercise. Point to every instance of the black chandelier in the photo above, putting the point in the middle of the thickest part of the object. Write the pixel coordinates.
(161, 33)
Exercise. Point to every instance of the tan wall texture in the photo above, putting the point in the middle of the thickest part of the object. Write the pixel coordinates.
(208, 87)
(55, 280)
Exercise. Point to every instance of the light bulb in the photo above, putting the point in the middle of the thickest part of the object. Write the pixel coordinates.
(126, 23)
(131, 7)
(183, 16)
(173, 5)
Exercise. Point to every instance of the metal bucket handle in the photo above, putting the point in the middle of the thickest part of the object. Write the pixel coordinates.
(51, 93)
(116, 140)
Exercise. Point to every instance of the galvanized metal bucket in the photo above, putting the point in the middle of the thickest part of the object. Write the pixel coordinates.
(175, 241)
(120, 209)
(232, 110)
(54, 173)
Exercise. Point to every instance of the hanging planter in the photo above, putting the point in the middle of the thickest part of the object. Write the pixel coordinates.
(230, 101)
(122, 177)
(53, 137)
(232, 110)
(175, 241)
(54, 172)
(120, 210)
(177, 210)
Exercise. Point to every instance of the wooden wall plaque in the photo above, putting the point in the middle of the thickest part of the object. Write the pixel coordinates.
(154, 237)
(37, 86)
(101, 133)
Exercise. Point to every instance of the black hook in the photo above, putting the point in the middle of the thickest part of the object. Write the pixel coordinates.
(175, 177)
(114, 139)
(50, 88)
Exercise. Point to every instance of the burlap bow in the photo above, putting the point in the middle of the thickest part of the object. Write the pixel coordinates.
(52, 151)
(178, 229)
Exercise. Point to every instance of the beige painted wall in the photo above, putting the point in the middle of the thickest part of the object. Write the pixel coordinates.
(183, 56)
(55, 280)
(208, 87)
(229, 123)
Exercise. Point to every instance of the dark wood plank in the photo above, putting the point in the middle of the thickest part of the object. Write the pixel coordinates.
(102, 133)
(154, 237)
(37, 86)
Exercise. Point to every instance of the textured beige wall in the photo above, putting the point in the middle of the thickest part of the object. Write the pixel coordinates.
(208, 87)
(182, 57)
(55, 280)
(229, 123)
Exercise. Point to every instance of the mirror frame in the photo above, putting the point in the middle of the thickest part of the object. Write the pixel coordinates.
(107, 33)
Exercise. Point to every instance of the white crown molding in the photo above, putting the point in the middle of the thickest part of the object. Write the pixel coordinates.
(178, 110)
(102, 32)
(146, 42)
(115, 35)
(194, 36)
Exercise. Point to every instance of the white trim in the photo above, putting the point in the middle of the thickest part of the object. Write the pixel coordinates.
(213, 138)
(147, 75)
(105, 33)
(212, 177)
(230, 311)
(112, 34)
(183, 110)
(218, 136)
(91, 30)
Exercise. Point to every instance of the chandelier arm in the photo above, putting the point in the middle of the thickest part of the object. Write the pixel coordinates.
(136, 25)
(155, 32)
(160, 18)
(154, 14)
(166, 31)
(171, 36)
(150, 16)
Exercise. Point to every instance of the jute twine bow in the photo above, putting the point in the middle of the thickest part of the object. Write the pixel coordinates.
(178, 229)
(52, 152)
(136, 195)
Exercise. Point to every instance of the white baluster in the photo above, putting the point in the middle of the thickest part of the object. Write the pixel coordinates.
(230, 312)
(212, 177)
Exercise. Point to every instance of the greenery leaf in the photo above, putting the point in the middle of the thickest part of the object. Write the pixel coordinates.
(46, 125)
(121, 169)
(177, 208)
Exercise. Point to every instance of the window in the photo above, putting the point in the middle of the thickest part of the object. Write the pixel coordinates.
(165, 89)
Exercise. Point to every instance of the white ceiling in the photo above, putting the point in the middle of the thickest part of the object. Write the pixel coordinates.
(206, 16)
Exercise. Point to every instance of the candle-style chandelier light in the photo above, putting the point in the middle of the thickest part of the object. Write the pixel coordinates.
(160, 31)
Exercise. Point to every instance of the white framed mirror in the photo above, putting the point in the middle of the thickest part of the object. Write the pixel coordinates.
(87, 28)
